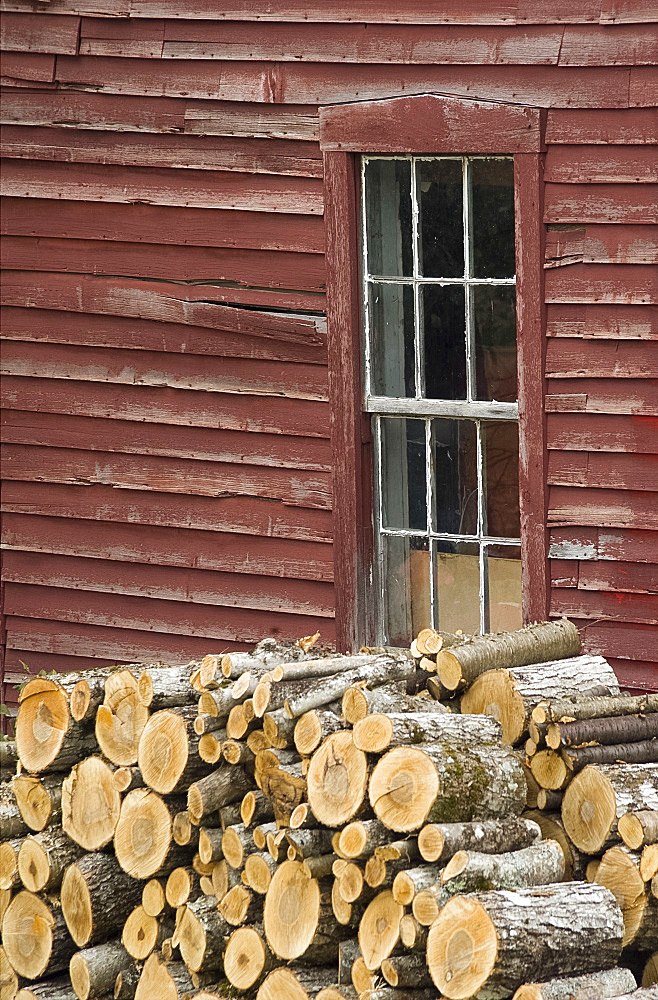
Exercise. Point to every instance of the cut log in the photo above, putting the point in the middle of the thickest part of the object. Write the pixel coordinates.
(11, 821)
(94, 970)
(599, 795)
(255, 808)
(259, 868)
(210, 748)
(44, 857)
(606, 731)
(226, 816)
(161, 981)
(9, 874)
(205, 724)
(359, 839)
(649, 862)
(358, 701)
(168, 750)
(35, 937)
(576, 758)
(379, 930)
(261, 833)
(127, 981)
(143, 842)
(8, 758)
(537, 643)
(246, 958)
(470, 871)
(162, 686)
(408, 883)
(286, 788)
(97, 896)
(237, 842)
(236, 752)
(500, 940)
(279, 728)
(90, 804)
(299, 984)
(595, 707)
(210, 844)
(182, 886)
(120, 720)
(439, 841)
(239, 906)
(406, 972)
(591, 986)
(142, 934)
(637, 829)
(313, 727)
(337, 780)
(182, 829)
(549, 800)
(307, 843)
(447, 782)
(38, 799)
(53, 988)
(224, 878)
(201, 934)
(550, 770)
(153, 897)
(509, 694)
(619, 871)
(127, 778)
(412, 933)
(552, 828)
(373, 670)
(8, 977)
(224, 785)
(378, 732)
(350, 882)
(297, 918)
(5, 899)
(47, 739)
(267, 654)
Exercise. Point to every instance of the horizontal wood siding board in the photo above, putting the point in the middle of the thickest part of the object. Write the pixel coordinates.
(586, 507)
(601, 126)
(603, 469)
(179, 151)
(586, 544)
(91, 330)
(163, 186)
(617, 284)
(28, 66)
(162, 546)
(253, 516)
(159, 474)
(180, 407)
(50, 662)
(605, 164)
(603, 395)
(619, 577)
(620, 607)
(603, 203)
(591, 243)
(42, 33)
(627, 45)
(602, 432)
(576, 358)
(609, 322)
(178, 371)
(635, 675)
(630, 641)
(148, 614)
(184, 585)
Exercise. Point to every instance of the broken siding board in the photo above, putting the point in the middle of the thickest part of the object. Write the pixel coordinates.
(162, 186)
(619, 577)
(602, 432)
(32, 66)
(616, 284)
(604, 544)
(43, 33)
(602, 125)
(159, 474)
(621, 45)
(92, 111)
(610, 322)
(266, 268)
(163, 546)
(180, 151)
(582, 164)
(183, 585)
(575, 358)
(564, 572)
(611, 395)
(257, 516)
(603, 203)
(601, 244)
(620, 607)
(602, 469)
(166, 225)
(606, 508)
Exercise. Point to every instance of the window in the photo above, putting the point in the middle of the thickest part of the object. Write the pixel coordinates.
(426, 525)
(440, 382)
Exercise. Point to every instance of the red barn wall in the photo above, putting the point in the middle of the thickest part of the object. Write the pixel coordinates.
(167, 470)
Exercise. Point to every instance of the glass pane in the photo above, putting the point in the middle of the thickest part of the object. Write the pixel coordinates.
(501, 468)
(457, 575)
(494, 316)
(388, 215)
(454, 452)
(391, 314)
(441, 223)
(504, 575)
(444, 330)
(492, 218)
(403, 466)
(406, 598)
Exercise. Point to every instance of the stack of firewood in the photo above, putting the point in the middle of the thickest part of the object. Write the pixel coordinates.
(285, 824)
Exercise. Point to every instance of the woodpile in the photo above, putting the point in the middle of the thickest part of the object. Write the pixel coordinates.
(367, 826)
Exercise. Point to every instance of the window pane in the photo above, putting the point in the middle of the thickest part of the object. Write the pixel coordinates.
(441, 223)
(492, 218)
(494, 316)
(404, 465)
(454, 452)
(391, 314)
(501, 468)
(504, 574)
(457, 574)
(406, 579)
(444, 328)
(388, 217)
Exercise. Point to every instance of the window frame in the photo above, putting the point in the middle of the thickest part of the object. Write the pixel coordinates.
(426, 124)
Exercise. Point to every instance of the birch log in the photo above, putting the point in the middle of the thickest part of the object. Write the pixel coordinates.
(439, 841)
(470, 871)
(590, 986)
(599, 795)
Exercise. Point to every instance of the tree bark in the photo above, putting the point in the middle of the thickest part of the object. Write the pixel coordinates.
(640, 828)
(337, 780)
(378, 732)
(267, 654)
(359, 701)
(8, 758)
(90, 804)
(279, 728)
(470, 871)
(406, 972)
(551, 931)
(97, 896)
(219, 788)
(44, 857)
(595, 707)
(54, 988)
(599, 795)
(646, 752)
(94, 970)
(255, 808)
(610, 730)
(35, 937)
(599, 985)
(162, 686)
(374, 670)
(439, 841)
(11, 821)
(201, 934)
(39, 800)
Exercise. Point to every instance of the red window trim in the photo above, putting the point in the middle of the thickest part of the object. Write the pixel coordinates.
(427, 124)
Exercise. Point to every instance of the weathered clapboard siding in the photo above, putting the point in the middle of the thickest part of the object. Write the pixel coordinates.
(168, 467)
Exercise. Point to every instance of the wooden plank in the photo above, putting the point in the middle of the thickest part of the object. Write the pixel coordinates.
(601, 508)
(627, 608)
(311, 83)
(252, 121)
(144, 613)
(589, 126)
(59, 327)
(163, 546)
(617, 284)
(13, 83)
(159, 224)
(179, 371)
(608, 322)
(571, 164)
(600, 543)
(42, 33)
(601, 469)
(180, 151)
(265, 268)
(599, 395)
(136, 438)
(564, 572)
(635, 676)
(604, 203)
(622, 45)
(208, 306)
(643, 86)
(182, 585)
(595, 244)
(167, 475)
(179, 407)
(33, 66)
(161, 186)
(576, 358)
(601, 432)
(255, 516)
(619, 577)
